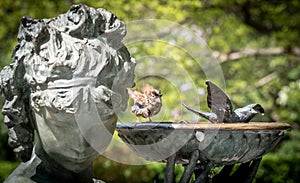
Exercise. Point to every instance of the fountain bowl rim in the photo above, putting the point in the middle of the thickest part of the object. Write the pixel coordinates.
(203, 126)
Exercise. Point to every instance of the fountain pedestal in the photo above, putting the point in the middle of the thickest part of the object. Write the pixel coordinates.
(202, 146)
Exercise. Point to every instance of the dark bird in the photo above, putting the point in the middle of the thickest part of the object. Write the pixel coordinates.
(222, 110)
(146, 103)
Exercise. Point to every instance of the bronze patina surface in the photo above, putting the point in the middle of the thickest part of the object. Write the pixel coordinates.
(67, 82)
(202, 146)
(223, 144)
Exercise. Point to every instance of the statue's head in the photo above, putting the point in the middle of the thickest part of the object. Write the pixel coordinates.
(68, 80)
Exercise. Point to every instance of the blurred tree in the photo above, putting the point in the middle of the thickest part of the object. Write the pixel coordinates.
(256, 43)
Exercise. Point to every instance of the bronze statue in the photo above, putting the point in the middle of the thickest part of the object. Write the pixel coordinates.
(68, 81)
(222, 110)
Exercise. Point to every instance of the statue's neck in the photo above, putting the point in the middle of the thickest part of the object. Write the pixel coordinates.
(50, 171)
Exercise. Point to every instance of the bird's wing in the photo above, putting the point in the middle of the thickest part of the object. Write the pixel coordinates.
(218, 101)
(139, 98)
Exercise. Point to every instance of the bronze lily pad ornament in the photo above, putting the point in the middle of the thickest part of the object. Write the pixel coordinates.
(68, 81)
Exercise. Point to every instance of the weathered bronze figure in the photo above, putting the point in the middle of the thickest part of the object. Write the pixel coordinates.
(68, 80)
(222, 110)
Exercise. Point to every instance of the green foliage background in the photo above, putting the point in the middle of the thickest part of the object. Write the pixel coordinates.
(251, 30)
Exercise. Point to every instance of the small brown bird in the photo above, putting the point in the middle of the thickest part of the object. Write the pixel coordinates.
(146, 103)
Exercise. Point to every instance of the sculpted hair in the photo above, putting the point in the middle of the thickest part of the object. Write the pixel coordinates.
(16, 109)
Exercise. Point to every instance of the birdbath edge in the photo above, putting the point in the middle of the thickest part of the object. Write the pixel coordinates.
(202, 146)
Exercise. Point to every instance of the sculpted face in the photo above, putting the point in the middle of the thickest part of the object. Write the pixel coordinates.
(74, 124)
(63, 141)
(77, 72)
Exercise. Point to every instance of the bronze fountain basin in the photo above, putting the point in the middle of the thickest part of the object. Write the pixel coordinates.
(221, 144)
